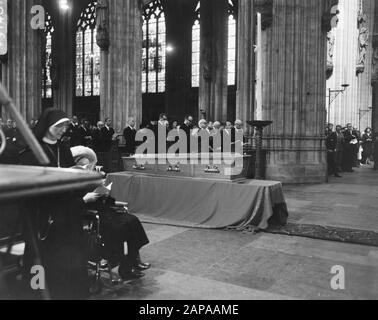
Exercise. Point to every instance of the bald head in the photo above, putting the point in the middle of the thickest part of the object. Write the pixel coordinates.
(238, 124)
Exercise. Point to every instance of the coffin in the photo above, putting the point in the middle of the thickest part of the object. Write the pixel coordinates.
(230, 167)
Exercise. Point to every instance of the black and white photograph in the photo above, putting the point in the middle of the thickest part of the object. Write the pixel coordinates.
(188, 156)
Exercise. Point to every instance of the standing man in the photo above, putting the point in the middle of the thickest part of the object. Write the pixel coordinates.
(237, 137)
(350, 141)
(339, 148)
(161, 133)
(108, 133)
(85, 133)
(98, 138)
(72, 133)
(129, 134)
(187, 127)
(331, 144)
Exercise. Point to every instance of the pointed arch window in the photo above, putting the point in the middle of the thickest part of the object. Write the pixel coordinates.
(231, 47)
(153, 48)
(231, 50)
(87, 54)
(196, 45)
(47, 58)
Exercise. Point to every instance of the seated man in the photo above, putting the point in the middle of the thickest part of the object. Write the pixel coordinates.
(116, 228)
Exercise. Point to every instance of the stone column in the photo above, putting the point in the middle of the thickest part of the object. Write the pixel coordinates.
(294, 91)
(374, 80)
(62, 72)
(21, 68)
(245, 96)
(213, 81)
(121, 65)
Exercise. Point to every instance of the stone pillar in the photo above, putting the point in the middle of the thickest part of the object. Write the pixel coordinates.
(62, 73)
(21, 68)
(294, 91)
(121, 65)
(245, 96)
(213, 80)
(374, 80)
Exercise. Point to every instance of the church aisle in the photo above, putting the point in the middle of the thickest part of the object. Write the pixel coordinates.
(199, 264)
(350, 202)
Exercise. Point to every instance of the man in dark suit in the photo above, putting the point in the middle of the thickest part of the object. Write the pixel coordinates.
(85, 134)
(108, 133)
(331, 144)
(129, 134)
(161, 132)
(350, 140)
(72, 135)
(186, 127)
(98, 138)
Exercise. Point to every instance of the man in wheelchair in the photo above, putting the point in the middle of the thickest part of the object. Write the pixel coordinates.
(117, 226)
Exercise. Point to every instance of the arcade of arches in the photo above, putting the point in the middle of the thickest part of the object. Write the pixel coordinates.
(223, 59)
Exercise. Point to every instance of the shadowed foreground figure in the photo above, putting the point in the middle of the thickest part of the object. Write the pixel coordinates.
(57, 219)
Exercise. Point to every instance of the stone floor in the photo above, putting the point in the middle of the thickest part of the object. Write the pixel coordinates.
(194, 264)
(225, 265)
(348, 202)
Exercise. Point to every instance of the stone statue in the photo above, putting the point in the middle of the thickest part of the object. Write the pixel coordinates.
(330, 53)
(102, 18)
(363, 39)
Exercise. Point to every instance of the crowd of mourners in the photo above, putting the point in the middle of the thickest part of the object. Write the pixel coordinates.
(348, 148)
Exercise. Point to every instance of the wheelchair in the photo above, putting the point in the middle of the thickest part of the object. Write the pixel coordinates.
(99, 259)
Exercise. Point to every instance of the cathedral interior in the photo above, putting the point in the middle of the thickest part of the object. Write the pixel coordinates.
(299, 64)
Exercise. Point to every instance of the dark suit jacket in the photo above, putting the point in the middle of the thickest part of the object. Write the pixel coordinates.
(73, 134)
(98, 140)
(84, 135)
(331, 141)
(156, 129)
(129, 135)
(107, 136)
(186, 129)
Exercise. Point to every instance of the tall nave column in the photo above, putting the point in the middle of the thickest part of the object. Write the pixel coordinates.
(295, 90)
(213, 80)
(245, 97)
(21, 69)
(121, 63)
(374, 80)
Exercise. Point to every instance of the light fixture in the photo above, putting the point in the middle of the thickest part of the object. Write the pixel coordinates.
(63, 5)
(169, 48)
(330, 100)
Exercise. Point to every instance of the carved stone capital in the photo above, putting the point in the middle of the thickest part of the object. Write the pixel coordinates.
(265, 8)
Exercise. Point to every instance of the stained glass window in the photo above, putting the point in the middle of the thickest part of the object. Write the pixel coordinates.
(87, 54)
(47, 58)
(196, 44)
(153, 48)
(231, 60)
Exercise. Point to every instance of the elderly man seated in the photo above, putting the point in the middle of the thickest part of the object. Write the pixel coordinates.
(115, 228)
